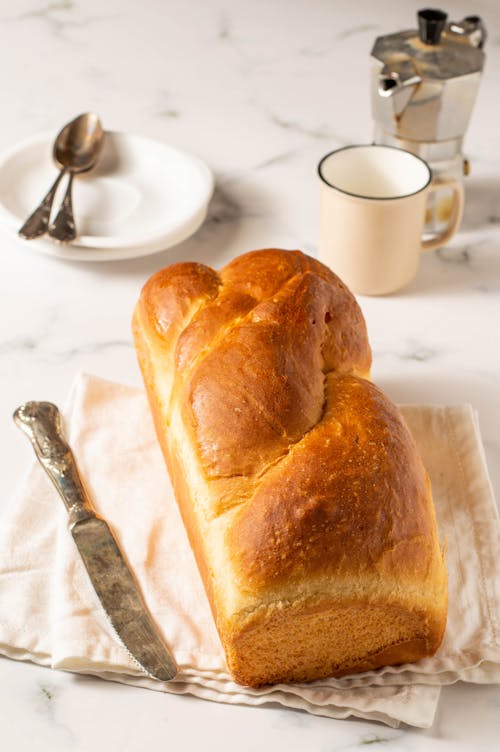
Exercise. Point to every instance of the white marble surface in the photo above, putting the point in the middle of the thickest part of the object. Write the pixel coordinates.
(260, 90)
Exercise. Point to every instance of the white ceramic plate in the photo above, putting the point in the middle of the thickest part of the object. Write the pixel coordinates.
(144, 196)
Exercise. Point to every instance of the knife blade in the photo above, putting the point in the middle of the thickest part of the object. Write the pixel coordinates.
(106, 567)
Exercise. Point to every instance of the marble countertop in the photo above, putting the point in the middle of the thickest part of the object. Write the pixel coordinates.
(260, 90)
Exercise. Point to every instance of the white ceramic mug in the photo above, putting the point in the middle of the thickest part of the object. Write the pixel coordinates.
(372, 213)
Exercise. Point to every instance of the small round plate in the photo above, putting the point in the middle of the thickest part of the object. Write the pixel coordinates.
(143, 197)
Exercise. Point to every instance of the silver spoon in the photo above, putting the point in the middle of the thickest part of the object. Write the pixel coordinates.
(76, 149)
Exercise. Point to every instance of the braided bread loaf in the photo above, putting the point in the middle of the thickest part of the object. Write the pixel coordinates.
(306, 503)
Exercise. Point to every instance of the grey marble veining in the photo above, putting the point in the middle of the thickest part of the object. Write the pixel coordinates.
(223, 208)
(419, 352)
(374, 29)
(59, 17)
(461, 256)
(321, 133)
(46, 701)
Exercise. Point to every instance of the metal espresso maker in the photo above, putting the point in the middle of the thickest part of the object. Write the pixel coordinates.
(424, 84)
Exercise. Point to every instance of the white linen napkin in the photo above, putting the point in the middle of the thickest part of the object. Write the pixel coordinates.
(50, 614)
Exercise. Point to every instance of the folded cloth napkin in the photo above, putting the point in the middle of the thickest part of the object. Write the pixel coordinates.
(50, 614)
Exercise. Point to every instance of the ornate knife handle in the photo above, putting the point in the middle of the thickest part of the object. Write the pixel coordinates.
(41, 422)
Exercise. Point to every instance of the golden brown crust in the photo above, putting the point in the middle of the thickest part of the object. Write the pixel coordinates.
(350, 497)
(307, 506)
(259, 385)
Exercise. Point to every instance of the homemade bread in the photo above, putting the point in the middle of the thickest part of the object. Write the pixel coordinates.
(304, 498)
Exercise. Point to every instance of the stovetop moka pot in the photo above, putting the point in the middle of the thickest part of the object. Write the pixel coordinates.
(424, 84)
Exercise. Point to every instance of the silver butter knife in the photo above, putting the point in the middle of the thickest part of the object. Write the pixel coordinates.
(110, 576)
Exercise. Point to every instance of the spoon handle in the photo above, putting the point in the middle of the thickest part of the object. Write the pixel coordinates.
(63, 227)
(38, 222)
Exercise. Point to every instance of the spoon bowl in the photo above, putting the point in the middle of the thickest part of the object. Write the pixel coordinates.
(79, 143)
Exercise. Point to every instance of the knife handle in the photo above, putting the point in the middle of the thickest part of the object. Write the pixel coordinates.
(41, 422)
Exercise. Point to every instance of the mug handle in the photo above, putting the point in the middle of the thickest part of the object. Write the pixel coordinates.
(456, 214)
